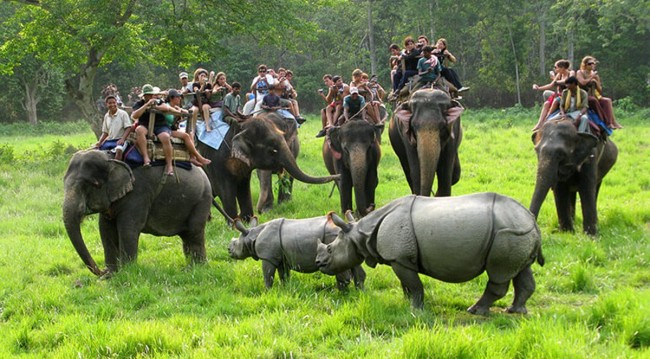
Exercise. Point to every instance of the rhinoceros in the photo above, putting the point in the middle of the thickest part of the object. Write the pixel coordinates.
(453, 239)
(290, 244)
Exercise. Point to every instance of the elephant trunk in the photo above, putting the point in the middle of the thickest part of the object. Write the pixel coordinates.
(74, 210)
(547, 174)
(428, 147)
(359, 172)
(289, 163)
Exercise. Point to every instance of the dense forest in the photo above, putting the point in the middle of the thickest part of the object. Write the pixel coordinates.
(56, 55)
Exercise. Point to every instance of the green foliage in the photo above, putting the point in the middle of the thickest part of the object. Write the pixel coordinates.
(591, 299)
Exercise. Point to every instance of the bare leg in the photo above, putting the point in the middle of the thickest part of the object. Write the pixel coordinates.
(542, 116)
(206, 117)
(195, 115)
(165, 139)
(337, 113)
(190, 147)
(141, 143)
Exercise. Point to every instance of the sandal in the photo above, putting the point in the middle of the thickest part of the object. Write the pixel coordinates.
(147, 164)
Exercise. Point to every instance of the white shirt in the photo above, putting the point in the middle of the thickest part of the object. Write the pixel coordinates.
(116, 124)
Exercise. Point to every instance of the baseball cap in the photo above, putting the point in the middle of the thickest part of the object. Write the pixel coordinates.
(147, 90)
(354, 90)
(173, 93)
(183, 75)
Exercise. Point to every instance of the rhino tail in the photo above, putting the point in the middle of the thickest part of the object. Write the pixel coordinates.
(540, 257)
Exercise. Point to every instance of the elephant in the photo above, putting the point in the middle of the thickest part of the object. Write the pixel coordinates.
(289, 244)
(570, 162)
(130, 202)
(289, 129)
(260, 145)
(453, 239)
(425, 133)
(358, 151)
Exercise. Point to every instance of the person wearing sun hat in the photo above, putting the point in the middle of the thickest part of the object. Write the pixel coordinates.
(161, 127)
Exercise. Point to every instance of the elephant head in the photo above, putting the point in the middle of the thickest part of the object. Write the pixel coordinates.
(561, 153)
(92, 182)
(260, 144)
(429, 140)
(358, 143)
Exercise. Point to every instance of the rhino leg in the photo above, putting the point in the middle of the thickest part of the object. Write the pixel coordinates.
(268, 269)
(342, 280)
(359, 276)
(493, 292)
(284, 272)
(524, 284)
(411, 284)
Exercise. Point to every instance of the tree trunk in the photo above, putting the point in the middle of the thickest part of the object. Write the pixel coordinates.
(542, 42)
(31, 100)
(371, 41)
(82, 92)
(514, 55)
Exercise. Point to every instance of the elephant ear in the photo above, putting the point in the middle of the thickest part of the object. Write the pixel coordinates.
(379, 129)
(584, 147)
(335, 138)
(453, 116)
(120, 180)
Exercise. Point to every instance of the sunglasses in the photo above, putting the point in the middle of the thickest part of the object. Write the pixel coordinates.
(590, 63)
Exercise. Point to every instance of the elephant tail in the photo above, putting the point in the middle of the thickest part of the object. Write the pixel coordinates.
(540, 257)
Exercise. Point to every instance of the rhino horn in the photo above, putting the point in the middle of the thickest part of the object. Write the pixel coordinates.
(339, 222)
(239, 225)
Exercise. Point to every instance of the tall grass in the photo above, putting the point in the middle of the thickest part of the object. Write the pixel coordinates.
(592, 297)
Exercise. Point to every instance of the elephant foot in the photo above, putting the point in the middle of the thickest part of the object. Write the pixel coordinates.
(265, 209)
(477, 310)
(517, 310)
(106, 274)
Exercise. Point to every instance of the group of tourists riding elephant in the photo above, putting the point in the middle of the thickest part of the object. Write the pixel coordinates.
(425, 133)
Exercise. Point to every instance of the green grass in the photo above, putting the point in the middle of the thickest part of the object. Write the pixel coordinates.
(592, 298)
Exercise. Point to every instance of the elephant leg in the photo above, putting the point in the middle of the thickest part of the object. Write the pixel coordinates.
(400, 150)
(265, 201)
(562, 196)
(345, 190)
(359, 276)
(343, 279)
(245, 200)
(411, 284)
(524, 284)
(445, 173)
(110, 241)
(268, 269)
(455, 177)
(285, 188)
(194, 245)
(587, 190)
(493, 292)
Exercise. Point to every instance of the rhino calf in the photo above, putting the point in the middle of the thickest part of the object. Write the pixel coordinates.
(290, 244)
(453, 239)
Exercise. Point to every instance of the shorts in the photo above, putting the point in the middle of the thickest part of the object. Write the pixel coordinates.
(285, 102)
(157, 130)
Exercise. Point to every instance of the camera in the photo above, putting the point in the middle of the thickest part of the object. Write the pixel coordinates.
(320, 90)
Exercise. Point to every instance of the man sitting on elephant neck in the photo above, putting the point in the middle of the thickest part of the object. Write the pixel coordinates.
(271, 101)
(353, 106)
(574, 105)
(428, 67)
(232, 107)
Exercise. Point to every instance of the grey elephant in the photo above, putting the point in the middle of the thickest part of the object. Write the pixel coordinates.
(255, 143)
(571, 163)
(358, 143)
(290, 244)
(425, 133)
(130, 202)
(453, 239)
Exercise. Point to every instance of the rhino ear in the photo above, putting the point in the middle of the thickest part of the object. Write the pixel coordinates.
(349, 216)
(254, 222)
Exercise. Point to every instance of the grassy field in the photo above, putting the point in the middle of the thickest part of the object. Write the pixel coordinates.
(592, 298)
